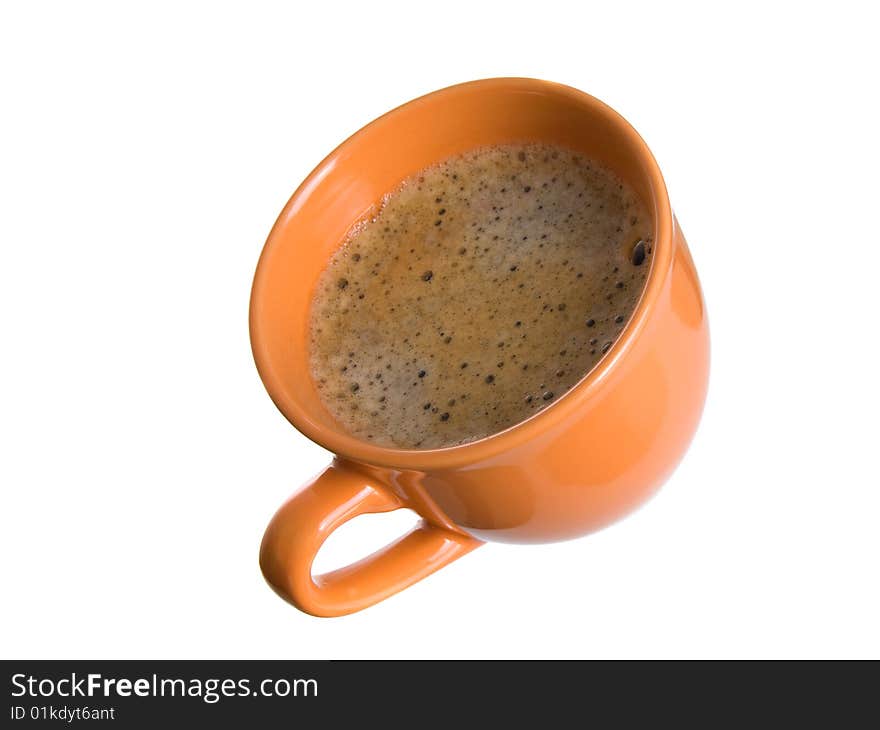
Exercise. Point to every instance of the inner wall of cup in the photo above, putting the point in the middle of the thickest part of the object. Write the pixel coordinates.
(351, 182)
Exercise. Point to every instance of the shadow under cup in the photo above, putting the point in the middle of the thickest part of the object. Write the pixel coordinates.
(350, 182)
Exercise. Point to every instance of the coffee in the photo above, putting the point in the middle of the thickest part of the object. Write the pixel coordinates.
(479, 292)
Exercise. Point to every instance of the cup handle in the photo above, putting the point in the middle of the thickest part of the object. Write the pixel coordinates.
(300, 527)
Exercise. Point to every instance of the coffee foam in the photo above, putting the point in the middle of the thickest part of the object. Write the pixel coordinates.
(482, 290)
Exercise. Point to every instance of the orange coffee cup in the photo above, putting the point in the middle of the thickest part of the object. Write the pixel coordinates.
(583, 462)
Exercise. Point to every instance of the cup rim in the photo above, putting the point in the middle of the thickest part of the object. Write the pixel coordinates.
(350, 447)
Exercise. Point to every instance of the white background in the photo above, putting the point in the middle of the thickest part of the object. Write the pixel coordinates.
(145, 151)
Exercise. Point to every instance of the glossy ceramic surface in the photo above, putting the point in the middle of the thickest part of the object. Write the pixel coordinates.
(575, 467)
